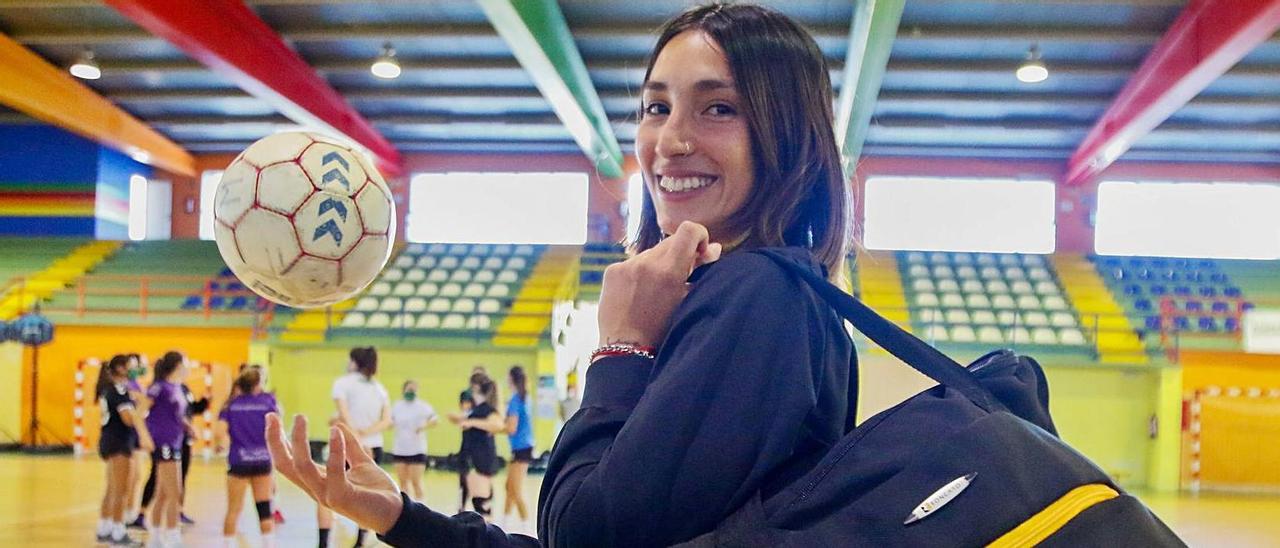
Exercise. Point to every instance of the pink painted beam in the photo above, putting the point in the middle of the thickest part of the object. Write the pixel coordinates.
(1207, 39)
(230, 39)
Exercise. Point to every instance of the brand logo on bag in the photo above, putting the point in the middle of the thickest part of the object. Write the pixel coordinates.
(940, 498)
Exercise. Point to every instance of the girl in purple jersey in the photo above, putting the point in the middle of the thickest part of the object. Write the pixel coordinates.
(167, 423)
(242, 422)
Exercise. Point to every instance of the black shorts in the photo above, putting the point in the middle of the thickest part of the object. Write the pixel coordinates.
(483, 462)
(167, 453)
(410, 459)
(249, 470)
(522, 455)
(377, 455)
(110, 446)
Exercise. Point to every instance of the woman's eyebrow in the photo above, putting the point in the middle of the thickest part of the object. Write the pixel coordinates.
(700, 85)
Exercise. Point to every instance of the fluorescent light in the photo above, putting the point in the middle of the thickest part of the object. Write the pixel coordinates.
(386, 66)
(137, 207)
(1033, 70)
(86, 67)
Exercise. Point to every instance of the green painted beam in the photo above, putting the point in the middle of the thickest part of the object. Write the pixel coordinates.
(539, 36)
(871, 34)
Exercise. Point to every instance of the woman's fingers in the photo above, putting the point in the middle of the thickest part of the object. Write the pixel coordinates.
(336, 469)
(278, 448)
(308, 472)
(357, 455)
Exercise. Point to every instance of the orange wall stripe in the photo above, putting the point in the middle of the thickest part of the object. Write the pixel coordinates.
(48, 93)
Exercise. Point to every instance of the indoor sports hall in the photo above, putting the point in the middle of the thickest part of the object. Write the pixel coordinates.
(1091, 183)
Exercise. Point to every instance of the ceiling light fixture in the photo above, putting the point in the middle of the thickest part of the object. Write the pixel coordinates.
(86, 67)
(1033, 70)
(386, 66)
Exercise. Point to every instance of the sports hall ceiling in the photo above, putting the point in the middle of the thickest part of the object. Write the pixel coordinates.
(949, 89)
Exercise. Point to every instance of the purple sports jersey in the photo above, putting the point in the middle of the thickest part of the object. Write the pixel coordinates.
(133, 385)
(246, 417)
(168, 406)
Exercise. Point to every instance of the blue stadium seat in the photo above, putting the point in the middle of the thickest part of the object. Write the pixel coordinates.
(238, 303)
(1221, 307)
(1218, 278)
(1207, 323)
(217, 302)
(1231, 325)
(1182, 323)
(1153, 323)
(1208, 291)
(1232, 292)
(1194, 306)
(1157, 290)
(1133, 289)
(1142, 304)
(193, 302)
(1182, 291)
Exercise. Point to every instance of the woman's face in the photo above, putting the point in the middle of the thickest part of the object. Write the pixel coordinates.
(693, 142)
(477, 394)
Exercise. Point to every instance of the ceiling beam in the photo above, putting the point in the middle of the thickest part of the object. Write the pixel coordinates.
(540, 39)
(1206, 40)
(244, 49)
(871, 34)
(48, 93)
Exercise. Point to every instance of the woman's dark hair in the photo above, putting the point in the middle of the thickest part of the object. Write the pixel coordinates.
(488, 388)
(166, 365)
(519, 381)
(800, 194)
(250, 377)
(366, 359)
(106, 372)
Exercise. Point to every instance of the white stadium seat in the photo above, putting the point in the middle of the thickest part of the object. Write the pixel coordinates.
(489, 306)
(378, 320)
(440, 304)
(415, 304)
(392, 274)
(391, 304)
(353, 319)
(367, 304)
(450, 290)
(428, 321)
(415, 275)
(379, 289)
(427, 289)
(404, 289)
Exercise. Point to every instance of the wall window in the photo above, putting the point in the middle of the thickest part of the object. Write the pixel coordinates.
(532, 208)
(1209, 220)
(208, 189)
(137, 207)
(936, 214)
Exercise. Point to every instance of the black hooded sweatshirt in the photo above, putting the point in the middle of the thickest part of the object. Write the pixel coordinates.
(749, 389)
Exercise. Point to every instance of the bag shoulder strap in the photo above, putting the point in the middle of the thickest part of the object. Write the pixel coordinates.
(905, 346)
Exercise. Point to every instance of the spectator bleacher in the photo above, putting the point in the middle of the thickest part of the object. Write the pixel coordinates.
(986, 298)
(444, 287)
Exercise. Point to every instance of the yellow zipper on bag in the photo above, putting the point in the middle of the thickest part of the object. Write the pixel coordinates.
(1054, 516)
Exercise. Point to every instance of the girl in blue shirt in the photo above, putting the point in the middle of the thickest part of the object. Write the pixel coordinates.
(520, 433)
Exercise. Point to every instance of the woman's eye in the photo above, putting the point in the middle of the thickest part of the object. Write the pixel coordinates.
(721, 110)
(655, 109)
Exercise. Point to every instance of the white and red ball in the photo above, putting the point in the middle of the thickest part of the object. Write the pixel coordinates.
(303, 220)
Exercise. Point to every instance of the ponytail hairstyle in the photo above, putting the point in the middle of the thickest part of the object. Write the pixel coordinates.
(166, 365)
(488, 388)
(250, 378)
(366, 360)
(106, 375)
(519, 381)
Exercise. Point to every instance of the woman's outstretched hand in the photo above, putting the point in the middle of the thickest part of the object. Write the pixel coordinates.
(640, 294)
(365, 493)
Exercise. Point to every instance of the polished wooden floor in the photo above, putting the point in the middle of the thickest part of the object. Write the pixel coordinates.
(53, 501)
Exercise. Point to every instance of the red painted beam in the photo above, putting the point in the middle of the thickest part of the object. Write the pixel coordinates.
(230, 39)
(1207, 39)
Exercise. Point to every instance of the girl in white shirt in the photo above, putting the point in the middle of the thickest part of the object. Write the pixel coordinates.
(411, 418)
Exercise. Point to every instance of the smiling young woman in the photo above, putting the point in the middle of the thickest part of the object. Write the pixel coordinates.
(720, 377)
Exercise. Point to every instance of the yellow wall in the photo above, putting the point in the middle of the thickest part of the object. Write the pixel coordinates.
(10, 392)
(303, 377)
(1226, 369)
(1102, 412)
(227, 348)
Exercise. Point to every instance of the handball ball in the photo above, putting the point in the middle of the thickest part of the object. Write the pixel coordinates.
(303, 220)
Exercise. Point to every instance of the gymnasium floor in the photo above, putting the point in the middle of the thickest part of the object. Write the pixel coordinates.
(53, 501)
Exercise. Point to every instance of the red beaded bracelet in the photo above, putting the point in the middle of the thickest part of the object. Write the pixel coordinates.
(623, 349)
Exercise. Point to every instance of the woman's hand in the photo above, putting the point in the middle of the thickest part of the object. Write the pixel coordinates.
(365, 493)
(640, 294)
